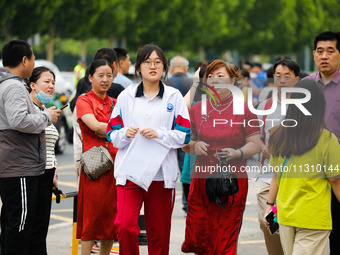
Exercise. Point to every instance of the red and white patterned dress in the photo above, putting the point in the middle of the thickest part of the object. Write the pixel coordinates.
(211, 229)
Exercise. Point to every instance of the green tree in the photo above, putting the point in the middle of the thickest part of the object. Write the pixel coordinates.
(115, 15)
(75, 19)
(270, 27)
(8, 10)
(25, 18)
(180, 25)
(331, 18)
(311, 18)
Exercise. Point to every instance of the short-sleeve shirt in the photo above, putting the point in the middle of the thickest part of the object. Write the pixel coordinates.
(304, 190)
(222, 129)
(97, 200)
(332, 95)
(90, 103)
(52, 136)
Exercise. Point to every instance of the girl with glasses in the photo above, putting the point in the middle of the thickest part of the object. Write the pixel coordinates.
(149, 116)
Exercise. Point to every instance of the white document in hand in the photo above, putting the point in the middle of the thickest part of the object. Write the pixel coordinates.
(142, 161)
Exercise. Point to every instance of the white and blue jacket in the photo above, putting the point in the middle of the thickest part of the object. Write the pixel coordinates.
(173, 127)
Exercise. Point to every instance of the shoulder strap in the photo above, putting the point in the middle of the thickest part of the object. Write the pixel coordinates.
(219, 202)
(178, 85)
(267, 106)
(112, 105)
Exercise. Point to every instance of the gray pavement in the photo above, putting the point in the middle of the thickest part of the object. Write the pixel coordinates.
(59, 238)
(251, 240)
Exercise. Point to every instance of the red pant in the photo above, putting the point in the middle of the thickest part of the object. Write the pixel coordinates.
(158, 206)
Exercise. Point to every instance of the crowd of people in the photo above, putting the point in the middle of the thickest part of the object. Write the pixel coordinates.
(158, 126)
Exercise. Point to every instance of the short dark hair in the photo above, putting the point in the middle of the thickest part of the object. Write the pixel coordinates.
(97, 63)
(245, 73)
(257, 64)
(328, 36)
(145, 52)
(270, 72)
(14, 51)
(303, 137)
(121, 53)
(292, 65)
(106, 53)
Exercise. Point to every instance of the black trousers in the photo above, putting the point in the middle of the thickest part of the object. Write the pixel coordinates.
(180, 157)
(42, 214)
(19, 199)
(186, 188)
(334, 238)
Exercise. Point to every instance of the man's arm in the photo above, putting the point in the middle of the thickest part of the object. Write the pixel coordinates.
(19, 118)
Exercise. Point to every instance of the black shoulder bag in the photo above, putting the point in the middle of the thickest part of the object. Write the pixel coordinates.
(221, 184)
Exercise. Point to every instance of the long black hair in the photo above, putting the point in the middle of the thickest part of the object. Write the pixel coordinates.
(304, 136)
(199, 92)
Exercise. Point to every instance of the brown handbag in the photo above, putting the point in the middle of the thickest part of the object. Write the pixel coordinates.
(96, 161)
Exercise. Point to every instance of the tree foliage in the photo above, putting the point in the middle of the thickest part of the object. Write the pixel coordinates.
(249, 26)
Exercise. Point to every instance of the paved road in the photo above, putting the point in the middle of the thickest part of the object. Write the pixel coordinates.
(60, 234)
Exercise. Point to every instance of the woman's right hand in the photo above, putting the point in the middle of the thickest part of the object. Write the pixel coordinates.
(266, 223)
(131, 132)
(265, 151)
(200, 148)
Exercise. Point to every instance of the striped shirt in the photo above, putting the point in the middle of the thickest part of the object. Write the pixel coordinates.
(52, 136)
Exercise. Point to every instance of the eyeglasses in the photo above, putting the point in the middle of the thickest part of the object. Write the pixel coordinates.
(279, 76)
(148, 63)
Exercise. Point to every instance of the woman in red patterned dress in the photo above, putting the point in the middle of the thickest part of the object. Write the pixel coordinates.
(97, 200)
(211, 229)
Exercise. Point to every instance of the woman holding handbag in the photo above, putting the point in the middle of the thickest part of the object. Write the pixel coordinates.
(302, 188)
(97, 199)
(210, 228)
(148, 115)
(83, 87)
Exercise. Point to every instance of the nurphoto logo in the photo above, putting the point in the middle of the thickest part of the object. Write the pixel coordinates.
(238, 100)
(238, 104)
